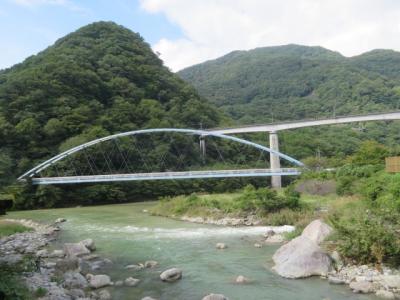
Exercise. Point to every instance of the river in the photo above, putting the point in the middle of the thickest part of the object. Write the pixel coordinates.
(127, 235)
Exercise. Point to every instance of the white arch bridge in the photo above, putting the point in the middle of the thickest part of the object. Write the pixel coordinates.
(63, 170)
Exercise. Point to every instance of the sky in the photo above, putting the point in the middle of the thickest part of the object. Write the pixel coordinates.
(188, 32)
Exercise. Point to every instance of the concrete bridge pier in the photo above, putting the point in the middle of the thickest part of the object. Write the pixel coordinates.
(275, 163)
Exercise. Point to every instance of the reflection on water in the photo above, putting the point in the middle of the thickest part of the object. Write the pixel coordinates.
(126, 235)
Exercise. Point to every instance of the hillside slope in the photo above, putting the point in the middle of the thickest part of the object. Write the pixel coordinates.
(297, 82)
(98, 80)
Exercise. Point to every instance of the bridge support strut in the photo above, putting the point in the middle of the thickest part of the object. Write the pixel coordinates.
(276, 181)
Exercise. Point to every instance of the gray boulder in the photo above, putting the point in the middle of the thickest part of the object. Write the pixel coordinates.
(364, 287)
(301, 257)
(171, 275)
(391, 281)
(74, 280)
(317, 231)
(221, 246)
(89, 243)
(130, 281)
(385, 294)
(150, 264)
(104, 295)
(67, 264)
(215, 297)
(75, 249)
(98, 281)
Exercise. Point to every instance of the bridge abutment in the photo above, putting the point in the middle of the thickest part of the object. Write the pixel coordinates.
(276, 181)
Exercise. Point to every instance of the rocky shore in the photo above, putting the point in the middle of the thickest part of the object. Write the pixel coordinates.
(250, 220)
(66, 274)
(303, 257)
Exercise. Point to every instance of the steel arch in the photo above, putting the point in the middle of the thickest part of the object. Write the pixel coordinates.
(64, 154)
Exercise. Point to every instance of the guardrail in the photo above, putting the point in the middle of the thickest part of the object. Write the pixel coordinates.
(167, 175)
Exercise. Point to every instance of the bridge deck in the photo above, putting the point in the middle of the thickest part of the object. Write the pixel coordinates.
(166, 175)
(308, 123)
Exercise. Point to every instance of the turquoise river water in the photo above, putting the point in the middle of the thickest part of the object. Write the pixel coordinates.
(127, 235)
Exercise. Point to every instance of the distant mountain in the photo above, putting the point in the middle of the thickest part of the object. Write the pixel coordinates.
(296, 82)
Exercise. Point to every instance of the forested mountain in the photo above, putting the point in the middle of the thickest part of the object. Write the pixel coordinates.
(101, 79)
(297, 82)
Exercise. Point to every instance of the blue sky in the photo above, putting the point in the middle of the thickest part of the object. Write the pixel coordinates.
(186, 32)
(27, 27)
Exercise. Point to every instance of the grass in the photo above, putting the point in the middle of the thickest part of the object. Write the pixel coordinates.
(8, 228)
(224, 205)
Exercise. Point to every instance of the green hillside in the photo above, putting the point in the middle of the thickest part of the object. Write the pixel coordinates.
(101, 79)
(297, 82)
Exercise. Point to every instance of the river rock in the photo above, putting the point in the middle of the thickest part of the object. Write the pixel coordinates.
(171, 275)
(89, 244)
(60, 220)
(391, 281)
(215, 297)
(75, 249)
(148, 298)
(135, 267)
(67, 264)
(150, 264)
(98, 281)
(76, 293)
(119, 283)
(385, 294)
(364, 287)
(301, 257)
(221, 246)
(242, 280)
(275, 239)
(317, 231)
(74, 280)
(130, 281)
(42, 253)
(257, 245)
(104, 295)
(57, 254)
(335, 280)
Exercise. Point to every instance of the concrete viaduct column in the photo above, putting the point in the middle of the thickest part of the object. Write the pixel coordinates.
(276, 181)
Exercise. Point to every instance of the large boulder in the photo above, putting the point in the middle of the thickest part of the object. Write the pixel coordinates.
(171, 275)
(301, 257)
(75, 249)
(317, 231)
(67, 264)
(89, 244)
(363, 287)
(98, 281)
(74, 280)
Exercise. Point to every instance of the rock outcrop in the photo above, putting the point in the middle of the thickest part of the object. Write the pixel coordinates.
(302, 256)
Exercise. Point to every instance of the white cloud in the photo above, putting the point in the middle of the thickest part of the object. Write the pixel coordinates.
(212, 28)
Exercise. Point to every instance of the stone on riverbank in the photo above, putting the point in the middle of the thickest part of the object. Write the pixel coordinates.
(385, 294)
(148, 298)
(335, 280)
(150, 264)
(60, 220)
(74, 280)
(363, 287)
(171, 275)
(275, 239)
(89, 244)
(98, 281)
(104, 295)
(301, 257)
(215, 297)
(57, 254)
(75, 249)
(67, 264)
(317, 231)
(221, 246)
(242, 280)
(130, 281)
(135, 267)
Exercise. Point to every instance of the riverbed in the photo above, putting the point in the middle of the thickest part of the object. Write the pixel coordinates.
(127, 234)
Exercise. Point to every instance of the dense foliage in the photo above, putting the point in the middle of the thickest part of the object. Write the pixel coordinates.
(99, 80)
(297, 82)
